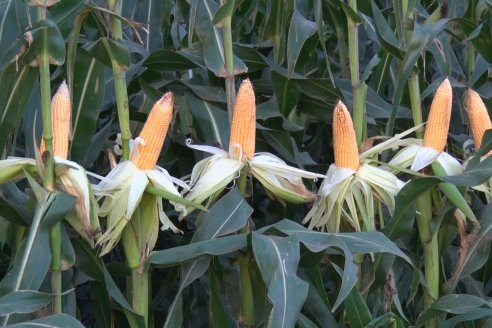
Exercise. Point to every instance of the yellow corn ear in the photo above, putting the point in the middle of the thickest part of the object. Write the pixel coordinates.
(154, 132)
(436, 132)
(61, 121)
(478, 116)
(344, 140)
(243, 127)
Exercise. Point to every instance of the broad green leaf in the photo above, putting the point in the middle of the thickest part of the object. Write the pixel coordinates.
(350, 13)
(225, 11)
(166, 60)
(73, 41)
(52, 321)
(385, 320)
(277, 259)
(226, 216)
(87, 260)
(13, 22)
(109, 51)
(276, 16)
(479, 313)
(249, 56)
(318, 17)
(402, 220)
(15, 89)
(304, 322)
(479, 35)
(153, 12)
(32, 261)
(172, 197)
(23, 301)
(211, 40)
(190, 271)
(286, 93)
(356, 243)
(214, 126)
(376, 106)
(299, 31)
(64, 13)
(388, 40)
(218, 316)
(316, 306)
(101, 304)
(87, 96)
(46, 40)
(360, 315)
(181, 254)
(454, 304)
(348, 243)
(18, 202)
(134, 319)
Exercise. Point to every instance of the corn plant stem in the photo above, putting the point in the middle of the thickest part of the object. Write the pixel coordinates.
(414, 89)
(431, 250)
(357, 87)
(49, 173)
(246, 286)
(120, 84)
(229, 64)
(140, 292)
(56, 273)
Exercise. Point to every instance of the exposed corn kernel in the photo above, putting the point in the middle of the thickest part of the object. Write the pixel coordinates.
(344, 140)
(243, 128)
(154, 132)
(61, 122)
(478, 116)
(436, 131)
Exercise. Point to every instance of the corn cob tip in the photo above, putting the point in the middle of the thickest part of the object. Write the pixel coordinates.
(436, 132)
(63, 88)
(167, 100)
(243, 127)
(344, 140)
(154, 133)
(478, 117)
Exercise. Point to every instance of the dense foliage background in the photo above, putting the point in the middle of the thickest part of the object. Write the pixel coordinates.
(296, 53)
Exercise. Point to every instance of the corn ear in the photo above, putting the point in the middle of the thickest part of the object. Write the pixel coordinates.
(61, 121)
(478, 116)
(344, 141)
(243, 127)
(436, 132)
(154, 132)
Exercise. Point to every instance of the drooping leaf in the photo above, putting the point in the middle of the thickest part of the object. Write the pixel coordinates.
(23, 301)
(299, 31)
(277, 259)
(453, 304)
(15, 89)
(52, 321)
(32, 262)
(46, 40)
(226, 216)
